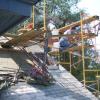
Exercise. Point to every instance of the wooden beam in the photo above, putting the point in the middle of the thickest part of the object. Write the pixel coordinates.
(92, 70)
(74, 35)
(69, 49)
(11, 50)
(64, 63)
(91, 81)
(78, 23)
(10, 35)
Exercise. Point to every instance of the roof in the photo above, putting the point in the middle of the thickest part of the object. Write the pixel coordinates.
(9, 20)
(13, 12)
(66, 86)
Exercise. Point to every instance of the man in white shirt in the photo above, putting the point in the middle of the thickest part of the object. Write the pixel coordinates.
(51, 25)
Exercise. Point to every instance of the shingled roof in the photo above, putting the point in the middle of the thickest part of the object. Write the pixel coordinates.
(66, 86)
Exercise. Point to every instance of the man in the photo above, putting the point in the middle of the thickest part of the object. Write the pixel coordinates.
(51, 25)
(64, 43)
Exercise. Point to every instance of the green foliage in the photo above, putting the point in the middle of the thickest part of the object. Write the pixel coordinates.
(63, 11)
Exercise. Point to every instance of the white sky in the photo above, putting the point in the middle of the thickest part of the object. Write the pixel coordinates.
(93, 8)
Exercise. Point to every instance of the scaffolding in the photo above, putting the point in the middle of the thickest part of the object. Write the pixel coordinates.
(71, 57)
(84, 51)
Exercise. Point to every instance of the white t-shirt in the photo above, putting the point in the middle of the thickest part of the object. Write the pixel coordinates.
(51, 26)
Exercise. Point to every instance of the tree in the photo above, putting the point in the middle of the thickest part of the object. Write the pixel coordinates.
(60, 11)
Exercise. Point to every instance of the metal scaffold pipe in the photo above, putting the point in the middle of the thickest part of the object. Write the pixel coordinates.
(82, 39)
(44, 14)
(33, 17)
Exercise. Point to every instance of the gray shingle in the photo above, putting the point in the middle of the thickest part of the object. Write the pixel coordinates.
(66, 87)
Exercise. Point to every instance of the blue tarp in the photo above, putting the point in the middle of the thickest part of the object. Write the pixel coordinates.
(13, 12)
(34, 2)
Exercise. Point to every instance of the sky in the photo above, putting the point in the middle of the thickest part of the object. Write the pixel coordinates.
(93, 8)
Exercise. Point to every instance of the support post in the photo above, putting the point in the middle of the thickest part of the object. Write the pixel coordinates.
(33, 17)
(82, 40)
(70, 62)
(44, 8)
(46, 34)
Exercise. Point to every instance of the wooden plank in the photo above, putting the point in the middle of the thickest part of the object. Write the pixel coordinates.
(30, 35)
(70, 49)
(74, 35)
(91, 81)
(64, 63)
(12, 50)
(10, 35)
(92, 70)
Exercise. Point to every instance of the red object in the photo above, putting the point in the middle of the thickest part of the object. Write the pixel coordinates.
(30, 26)
(37, 71)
